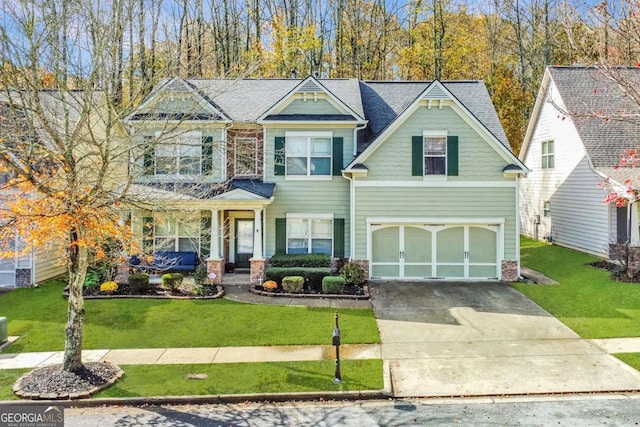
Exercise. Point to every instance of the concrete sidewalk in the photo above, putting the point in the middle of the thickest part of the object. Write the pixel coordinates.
(198, 355)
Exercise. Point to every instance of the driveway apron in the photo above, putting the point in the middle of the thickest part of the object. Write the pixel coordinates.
(484, 338)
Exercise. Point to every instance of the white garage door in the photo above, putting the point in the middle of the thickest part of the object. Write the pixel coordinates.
(434, 251)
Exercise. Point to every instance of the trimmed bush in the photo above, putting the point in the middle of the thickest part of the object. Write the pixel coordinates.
(139, 283)
(333, 285)
(172, 281)
(300, 260)
(201, 275)
(353, 274)
(293, 284)
(312, 276)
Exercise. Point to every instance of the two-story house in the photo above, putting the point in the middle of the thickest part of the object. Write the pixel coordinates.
(581, 125)
(413, 180)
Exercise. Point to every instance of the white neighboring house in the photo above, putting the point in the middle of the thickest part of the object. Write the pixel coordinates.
(574, 141)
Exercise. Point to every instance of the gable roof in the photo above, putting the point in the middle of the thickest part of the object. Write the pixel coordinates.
(436, 91)
(380, 103)
(177, 85)
(606, 118)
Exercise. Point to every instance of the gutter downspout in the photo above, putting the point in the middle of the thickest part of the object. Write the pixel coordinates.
(352, 196)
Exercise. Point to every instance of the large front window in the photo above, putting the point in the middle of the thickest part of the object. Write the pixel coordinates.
(180, 155)
(435, 155)
(173, 233)
(309, 235)
(308, 154)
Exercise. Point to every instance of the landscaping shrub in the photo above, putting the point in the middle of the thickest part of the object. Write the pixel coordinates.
(92, 278)
(201, 275)
(333, 284)
(293, 284)
(139, 283)
(108, 287)
(270, 285)
(353, 274)
(300, 260)
(172, 281)
(312, 276)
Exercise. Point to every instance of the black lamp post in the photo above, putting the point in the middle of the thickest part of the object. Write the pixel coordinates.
(336, 342)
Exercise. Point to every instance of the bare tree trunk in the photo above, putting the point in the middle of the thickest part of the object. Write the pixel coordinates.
(77, 268)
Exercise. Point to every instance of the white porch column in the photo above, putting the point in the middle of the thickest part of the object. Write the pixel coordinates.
(257, 234)
(214, 248)
(635, 233)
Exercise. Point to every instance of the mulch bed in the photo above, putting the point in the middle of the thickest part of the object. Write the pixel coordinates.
(617, 271)
(52, 383)
(350, 292)
(154, 292)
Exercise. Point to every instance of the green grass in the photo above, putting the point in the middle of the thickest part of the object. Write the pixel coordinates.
(231, 378)
(631, 359)
(7, 378)
(587, 299)
(38, 316)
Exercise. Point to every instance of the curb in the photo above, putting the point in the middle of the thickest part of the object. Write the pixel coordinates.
(215, 399)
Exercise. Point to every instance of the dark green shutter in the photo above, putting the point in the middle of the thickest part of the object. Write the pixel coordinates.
(417, 156)
(147, 232)
(337, 155)
(149, 161)
(279, 156)
(207, 155)
(452, 156)
(281, 235)
(338, 237)
(205, 236)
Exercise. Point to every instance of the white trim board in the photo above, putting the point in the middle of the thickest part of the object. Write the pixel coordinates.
(438, 183)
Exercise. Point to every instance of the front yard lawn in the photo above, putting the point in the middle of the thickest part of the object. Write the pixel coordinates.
(38, 316)
(587, 299)
(231, 378)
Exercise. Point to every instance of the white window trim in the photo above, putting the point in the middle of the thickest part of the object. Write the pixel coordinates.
(311, 216)
(169, 139)
(548, 155)
(253, 140)
(309, 134)
(434, 134)
(175, 235)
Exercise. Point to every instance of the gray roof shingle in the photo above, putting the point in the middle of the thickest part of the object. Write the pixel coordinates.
(379, 102)
(606, 118)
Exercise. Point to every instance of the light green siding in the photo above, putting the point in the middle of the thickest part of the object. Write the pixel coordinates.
(180, 103)
(477, 159)
(435, 202)
(48, 265)
(312, 196)
(321, 106)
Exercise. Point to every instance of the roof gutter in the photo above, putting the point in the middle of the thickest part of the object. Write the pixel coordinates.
(355, 137)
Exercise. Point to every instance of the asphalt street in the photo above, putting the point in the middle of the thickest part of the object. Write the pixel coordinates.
(578, 410)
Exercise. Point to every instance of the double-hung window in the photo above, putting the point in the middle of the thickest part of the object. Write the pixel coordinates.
(548, 161)
(435, 153)
(311, 234)
(308, 153)
(179, 155)
(176, 233)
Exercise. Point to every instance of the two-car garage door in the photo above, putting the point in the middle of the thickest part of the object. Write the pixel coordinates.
(422, 251)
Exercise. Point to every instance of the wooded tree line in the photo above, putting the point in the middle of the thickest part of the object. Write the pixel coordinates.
(506, 43)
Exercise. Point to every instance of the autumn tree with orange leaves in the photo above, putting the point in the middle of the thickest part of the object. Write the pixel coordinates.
(64, 153)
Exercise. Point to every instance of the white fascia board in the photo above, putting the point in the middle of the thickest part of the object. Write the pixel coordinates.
(289, 97)
(434, 220)
(437, 184)
(535, 114)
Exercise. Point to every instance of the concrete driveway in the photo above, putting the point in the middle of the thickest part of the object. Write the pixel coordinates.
(484, 338)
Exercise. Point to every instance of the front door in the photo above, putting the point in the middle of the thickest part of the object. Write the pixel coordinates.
(244, 242)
